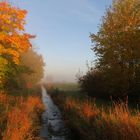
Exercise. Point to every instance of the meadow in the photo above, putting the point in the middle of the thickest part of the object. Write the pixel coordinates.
(66, 86)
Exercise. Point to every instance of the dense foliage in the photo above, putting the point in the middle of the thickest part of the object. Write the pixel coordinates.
(13, 41)
(117, 47)
(17, 59)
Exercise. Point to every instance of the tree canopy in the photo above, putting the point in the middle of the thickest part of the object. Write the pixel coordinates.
(13, 40)
(117, 48)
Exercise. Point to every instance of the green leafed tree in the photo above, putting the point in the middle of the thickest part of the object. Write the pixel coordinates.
(117, 47)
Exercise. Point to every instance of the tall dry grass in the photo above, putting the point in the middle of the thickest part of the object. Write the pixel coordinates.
(19, 117)
(93, 123)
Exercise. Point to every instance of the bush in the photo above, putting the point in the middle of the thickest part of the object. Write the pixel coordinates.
(93, 84)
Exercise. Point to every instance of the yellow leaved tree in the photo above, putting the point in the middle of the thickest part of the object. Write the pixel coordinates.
(13, 38)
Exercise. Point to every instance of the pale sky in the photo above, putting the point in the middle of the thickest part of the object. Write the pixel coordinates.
(62, 29)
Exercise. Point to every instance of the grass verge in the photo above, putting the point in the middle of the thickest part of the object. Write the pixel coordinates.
(19, 117)
(89, 122)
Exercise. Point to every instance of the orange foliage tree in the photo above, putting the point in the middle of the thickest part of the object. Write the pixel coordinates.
(13, 38)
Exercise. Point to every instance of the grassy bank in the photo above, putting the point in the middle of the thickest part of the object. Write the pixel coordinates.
(88, 121)
(19, 117)
(66, 86)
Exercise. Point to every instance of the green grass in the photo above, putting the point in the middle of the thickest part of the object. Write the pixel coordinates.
(73, 90)
(66, 86)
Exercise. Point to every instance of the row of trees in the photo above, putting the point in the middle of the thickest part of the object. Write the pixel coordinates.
(117, 48)
(17, 57)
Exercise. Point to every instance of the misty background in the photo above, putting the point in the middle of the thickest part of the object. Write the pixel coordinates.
(63, 28)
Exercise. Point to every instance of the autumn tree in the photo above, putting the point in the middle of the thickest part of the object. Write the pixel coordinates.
(34, 64)
(13, 39)
(117, 47)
